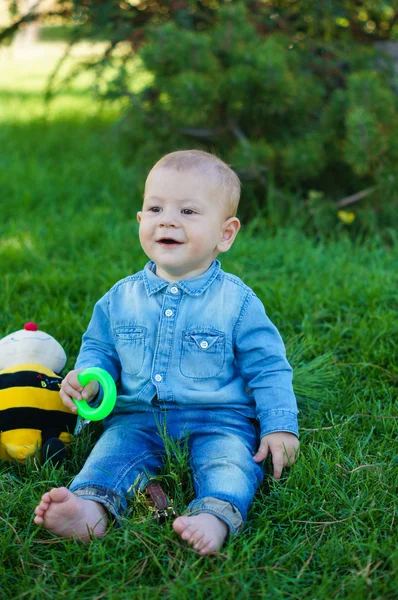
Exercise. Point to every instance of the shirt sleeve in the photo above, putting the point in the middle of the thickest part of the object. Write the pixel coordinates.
(261, 359)
(98, 347)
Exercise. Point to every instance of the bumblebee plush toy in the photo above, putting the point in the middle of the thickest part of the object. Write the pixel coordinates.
(32, 416)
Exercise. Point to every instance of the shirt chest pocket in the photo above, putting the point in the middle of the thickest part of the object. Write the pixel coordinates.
(202, 353)
(130, 345)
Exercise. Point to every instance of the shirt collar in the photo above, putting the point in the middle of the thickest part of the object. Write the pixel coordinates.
(193, 287)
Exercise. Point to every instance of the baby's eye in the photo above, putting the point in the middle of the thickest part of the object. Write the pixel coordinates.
(154, 209)
(187, 211)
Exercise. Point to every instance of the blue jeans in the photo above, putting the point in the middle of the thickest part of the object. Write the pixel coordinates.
(221, 444)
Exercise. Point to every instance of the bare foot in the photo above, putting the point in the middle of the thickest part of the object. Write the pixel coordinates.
(67, 515)
(205, 532)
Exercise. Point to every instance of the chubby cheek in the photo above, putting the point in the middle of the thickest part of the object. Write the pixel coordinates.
(144, 236)
(144, 229)
(211, 239)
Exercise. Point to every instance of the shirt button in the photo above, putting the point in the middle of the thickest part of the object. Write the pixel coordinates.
(168, 312)
(204, 344)
(174, 290)
(158, 377)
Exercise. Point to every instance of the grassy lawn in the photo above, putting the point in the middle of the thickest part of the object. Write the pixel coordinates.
(70, 188)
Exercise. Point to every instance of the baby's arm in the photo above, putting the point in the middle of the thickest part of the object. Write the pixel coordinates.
(97, 350)
(261, 359)
(263, 365)
(98, 344)
(72, 388)
(284, 448)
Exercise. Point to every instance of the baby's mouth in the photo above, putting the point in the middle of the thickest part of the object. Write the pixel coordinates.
(169, 242)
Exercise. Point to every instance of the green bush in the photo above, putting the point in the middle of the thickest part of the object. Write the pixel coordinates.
(310, 121)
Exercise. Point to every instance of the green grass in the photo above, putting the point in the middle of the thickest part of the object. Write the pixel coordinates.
(70, 188)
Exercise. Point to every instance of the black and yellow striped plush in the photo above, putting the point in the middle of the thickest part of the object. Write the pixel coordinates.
(31, 411)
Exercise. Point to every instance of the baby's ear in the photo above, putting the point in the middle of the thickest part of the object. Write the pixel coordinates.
(228, 234)
(139, 214)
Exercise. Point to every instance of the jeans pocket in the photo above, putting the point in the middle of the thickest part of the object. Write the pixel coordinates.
(130, 345)
(202, 353)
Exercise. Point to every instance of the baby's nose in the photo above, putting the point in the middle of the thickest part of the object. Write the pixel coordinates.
(168, 220)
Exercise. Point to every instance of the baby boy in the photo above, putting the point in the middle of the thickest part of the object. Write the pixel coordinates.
(194, 355)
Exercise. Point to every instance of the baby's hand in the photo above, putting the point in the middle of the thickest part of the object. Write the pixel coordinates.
(72, 388)
(284, 447)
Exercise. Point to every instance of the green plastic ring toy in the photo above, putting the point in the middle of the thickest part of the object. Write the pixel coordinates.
(109, 388)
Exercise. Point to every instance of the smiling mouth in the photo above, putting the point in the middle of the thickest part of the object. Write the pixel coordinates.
(169, 242)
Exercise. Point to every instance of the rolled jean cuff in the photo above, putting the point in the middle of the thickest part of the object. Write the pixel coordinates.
(104, 496)
(226, 511)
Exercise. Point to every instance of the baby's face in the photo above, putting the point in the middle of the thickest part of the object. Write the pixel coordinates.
(183, 222)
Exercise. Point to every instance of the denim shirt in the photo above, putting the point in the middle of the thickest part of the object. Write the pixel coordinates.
(204, 342)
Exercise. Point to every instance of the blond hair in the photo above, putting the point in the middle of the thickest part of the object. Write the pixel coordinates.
(206, 164)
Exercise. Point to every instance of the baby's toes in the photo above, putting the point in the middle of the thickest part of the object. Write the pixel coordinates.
(38, 520)
(189, 534)
(41, 508)
(199, 544)
(198, 540)
(46, 498)
(39, 515)
(209, 548)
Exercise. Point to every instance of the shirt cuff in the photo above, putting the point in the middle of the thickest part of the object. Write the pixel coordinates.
(278, 420)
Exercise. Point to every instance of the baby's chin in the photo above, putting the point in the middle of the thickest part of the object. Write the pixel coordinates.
(173, 273)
